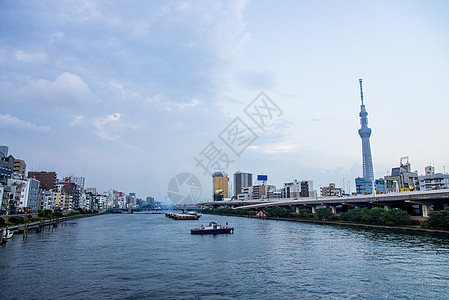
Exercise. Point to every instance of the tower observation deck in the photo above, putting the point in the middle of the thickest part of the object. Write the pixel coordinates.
(365, 134)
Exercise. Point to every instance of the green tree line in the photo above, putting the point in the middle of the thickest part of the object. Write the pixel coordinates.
(374, 216)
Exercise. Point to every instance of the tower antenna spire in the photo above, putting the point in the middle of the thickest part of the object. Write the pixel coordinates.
(361, 91)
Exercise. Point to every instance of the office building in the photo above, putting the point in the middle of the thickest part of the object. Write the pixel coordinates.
(363, 186)
(48, 180)
(402, 177)
(220, 186)
(19, 167)
(242, 180)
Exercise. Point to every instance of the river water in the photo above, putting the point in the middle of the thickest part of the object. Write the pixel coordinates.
(148, 256)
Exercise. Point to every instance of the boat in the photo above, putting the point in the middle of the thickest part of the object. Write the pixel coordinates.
(6, 234)
(213, 228)
(189, 216)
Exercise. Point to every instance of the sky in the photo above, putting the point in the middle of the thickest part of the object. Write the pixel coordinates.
(130, 94)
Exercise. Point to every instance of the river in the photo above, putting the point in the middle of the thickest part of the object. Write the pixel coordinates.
(148, 256)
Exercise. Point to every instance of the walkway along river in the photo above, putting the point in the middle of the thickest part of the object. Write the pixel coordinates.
(129, 256)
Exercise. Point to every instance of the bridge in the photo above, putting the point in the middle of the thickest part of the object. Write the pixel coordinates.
(153, 206)
(427, 200)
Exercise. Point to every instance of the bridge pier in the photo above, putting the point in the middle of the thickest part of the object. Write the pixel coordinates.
(425, 210)
(387, 207)
(313, 210)
(334, 210)
(297, 209)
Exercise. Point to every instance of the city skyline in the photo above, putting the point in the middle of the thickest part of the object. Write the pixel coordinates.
(106, 89)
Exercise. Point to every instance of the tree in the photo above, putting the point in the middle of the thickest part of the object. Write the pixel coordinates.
(324, 214)
(277, 211)
(16, 220)
(395, 217)
(438, 219)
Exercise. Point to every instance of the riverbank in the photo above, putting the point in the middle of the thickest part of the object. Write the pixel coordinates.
(49, 222)
(342, 223)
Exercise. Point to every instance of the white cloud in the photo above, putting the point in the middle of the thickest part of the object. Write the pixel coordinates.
(274, 149)
(107, 127)
(32, 56)
(16, 123)
(193, 103)
(66, 88)
(77, 120)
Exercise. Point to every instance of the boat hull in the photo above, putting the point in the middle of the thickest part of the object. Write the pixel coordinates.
(212, 231)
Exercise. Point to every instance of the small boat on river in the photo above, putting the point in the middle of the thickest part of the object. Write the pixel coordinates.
(189, 216)
(6, 234)
(213, 228)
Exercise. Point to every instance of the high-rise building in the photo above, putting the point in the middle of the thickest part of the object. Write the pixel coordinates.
(365, 134)
(19, 167)
(242, 180)
(47, 179)
(221, 185)
(3, 151)
(78, 180)
(6, 166)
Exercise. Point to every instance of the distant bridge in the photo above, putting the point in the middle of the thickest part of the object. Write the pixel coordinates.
(153, 206)
(427, 200)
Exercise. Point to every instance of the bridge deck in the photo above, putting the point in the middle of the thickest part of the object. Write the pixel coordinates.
(437, 196)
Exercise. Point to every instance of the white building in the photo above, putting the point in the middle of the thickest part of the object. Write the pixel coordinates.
(78, 180)
(296, 189)
(47, 200)
(2, 202)
(247, 194)
(432, 181)
(25, 193)
(31, 200)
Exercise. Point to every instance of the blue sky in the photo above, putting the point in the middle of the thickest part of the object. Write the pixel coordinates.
(127, 95)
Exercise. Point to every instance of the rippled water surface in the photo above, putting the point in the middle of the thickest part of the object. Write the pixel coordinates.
(143, 256)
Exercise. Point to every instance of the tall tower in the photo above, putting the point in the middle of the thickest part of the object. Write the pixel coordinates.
(365, 134)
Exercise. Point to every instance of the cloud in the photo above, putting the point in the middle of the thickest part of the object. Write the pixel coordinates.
(16, 123)
(107, 127)
(319, 119)
(191, 104)
(77, 120)
(275, 149)
(67, 88)
(33, 56)
(259, 80)
(157, 100)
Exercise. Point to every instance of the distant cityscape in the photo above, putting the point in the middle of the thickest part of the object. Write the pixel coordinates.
(22, 192)
(401, 179)
(41, 190)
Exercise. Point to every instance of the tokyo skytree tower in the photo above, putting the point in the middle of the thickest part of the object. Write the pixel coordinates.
(365, 134)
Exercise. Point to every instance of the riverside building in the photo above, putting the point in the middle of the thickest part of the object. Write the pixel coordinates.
(220, 183)
(241, 180)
